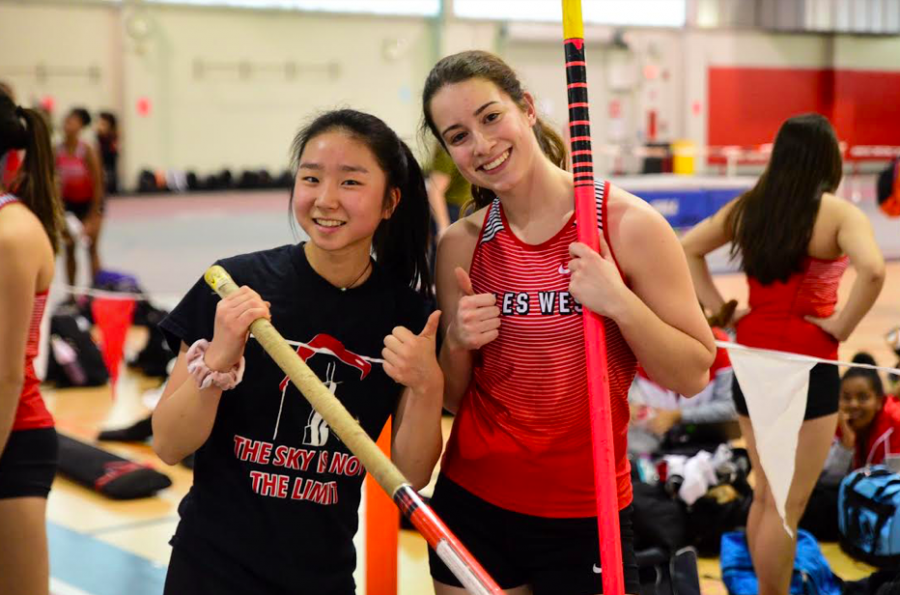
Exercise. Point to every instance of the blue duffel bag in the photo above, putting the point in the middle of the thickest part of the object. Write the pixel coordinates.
(811, 576)
(869, 515)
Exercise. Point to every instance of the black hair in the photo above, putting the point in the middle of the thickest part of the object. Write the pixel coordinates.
(35, 184)
(871, 375)
(401, 242)
(82, 114)
(111, 118)
(772, 223)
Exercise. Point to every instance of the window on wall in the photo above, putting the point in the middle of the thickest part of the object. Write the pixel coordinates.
(383, 7)
(633, 13)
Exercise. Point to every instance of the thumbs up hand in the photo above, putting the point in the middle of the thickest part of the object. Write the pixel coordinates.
(464, 282)
(477, 320)
(410, 359)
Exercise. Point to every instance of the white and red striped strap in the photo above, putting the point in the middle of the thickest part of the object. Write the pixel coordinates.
(7, 199)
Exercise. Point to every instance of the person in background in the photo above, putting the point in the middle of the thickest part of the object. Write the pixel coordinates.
(108, 144)
(868, 431)
(448, 190)
(656, 410)
(888, 189)
(795, 238)
(10, 163)
(81, 182)
(30, 222)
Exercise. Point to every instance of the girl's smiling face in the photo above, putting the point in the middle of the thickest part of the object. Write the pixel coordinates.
(339, 192)
(488, 135)
(859, 402)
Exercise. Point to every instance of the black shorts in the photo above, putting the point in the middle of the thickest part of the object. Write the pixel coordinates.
(199, 568)
(189, 573)
(554, 556)
(79, 209)
(821, 398)
(28, 464)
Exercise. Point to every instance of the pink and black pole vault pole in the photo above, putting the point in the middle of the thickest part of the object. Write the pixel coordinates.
(594, 336)
(457, 558)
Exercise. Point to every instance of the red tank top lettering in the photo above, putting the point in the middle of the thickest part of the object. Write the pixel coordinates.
(777, 311)
(31, 412)
(522, 437)
(76, 183)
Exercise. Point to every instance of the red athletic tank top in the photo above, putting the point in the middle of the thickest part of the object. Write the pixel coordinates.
(776, 317)
(77, 185)
(522, 437)
(31, 413)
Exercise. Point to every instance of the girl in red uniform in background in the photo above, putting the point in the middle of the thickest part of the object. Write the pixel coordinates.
(517, 478)
(868, 424)
(81, 181)
(30, 222)
(795, 238)
(868, 433)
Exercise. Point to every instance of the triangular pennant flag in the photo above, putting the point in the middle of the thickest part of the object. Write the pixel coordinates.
(776, 391)
(113, 317)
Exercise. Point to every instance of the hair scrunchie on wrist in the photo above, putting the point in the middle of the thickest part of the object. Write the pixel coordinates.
(206, 377)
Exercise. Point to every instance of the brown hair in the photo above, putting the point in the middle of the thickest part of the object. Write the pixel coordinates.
(35, 185)
(478, 64)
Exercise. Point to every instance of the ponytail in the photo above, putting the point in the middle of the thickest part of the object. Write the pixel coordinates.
(401, 242)
(552, 144)
(35, 184)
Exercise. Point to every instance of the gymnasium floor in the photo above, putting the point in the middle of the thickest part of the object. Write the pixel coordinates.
(103, 547)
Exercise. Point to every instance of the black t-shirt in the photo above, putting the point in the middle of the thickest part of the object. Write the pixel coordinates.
(275, 490)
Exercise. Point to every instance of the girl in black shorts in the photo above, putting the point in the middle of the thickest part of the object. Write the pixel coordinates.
(30, 222)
